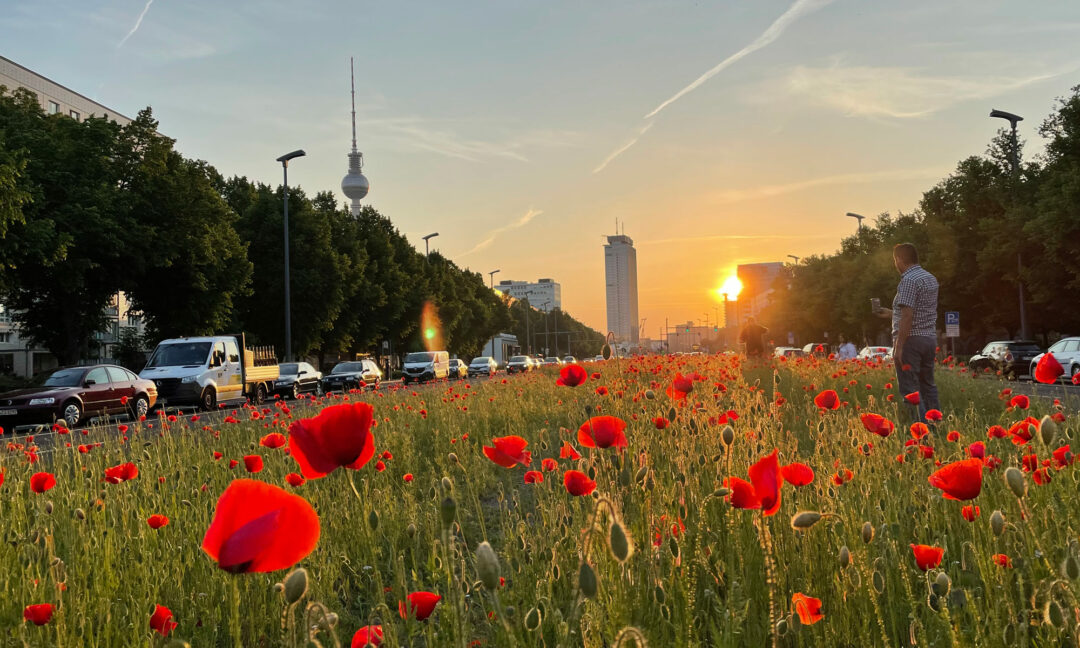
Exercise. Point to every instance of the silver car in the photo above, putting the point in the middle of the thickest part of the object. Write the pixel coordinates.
(1067, 352)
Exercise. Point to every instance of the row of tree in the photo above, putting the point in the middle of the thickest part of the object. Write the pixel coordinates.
(981, 231)
(91, 208)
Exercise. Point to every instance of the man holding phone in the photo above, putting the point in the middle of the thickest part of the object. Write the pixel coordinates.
(914, 328)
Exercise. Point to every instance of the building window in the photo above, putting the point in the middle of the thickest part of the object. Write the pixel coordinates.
(7, 364)
(75, 115)
(54, 107)
(5, 337)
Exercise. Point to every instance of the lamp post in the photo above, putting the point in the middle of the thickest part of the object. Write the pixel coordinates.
(792, 256)
(284, 159)
(491, 278)
(427, 238)
(857, 217)
(1014, 158)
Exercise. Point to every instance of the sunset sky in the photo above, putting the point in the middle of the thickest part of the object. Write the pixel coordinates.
(719, 132)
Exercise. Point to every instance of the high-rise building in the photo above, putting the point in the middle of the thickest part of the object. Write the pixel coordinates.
(620, 270)
(354, 185)
(545, 294)
(757, 286)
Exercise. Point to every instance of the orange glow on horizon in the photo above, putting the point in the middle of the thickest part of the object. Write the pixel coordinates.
(730, 289)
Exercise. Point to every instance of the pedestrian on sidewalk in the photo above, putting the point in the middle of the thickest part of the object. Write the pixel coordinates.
(846, 351)
(914, 330)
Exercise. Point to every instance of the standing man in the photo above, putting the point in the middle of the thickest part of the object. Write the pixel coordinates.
(846, 351)
(752, 336)
(914, 328)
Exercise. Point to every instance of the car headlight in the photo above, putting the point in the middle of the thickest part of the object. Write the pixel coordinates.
(42, 401)
(189, 379)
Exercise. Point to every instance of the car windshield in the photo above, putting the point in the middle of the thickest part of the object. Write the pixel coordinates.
(420, 357)
(348, 367)
(180, 354)
(288, 369)
(481, 361)
(1025, 348)
(519, 359)
(64, 378)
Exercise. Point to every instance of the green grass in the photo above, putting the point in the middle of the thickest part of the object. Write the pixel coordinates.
(712, 585)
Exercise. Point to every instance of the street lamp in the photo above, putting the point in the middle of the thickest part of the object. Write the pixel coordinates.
(792, 256)
(284, 159)
(857, 217)
(491, 277)
(426, 239)
(1014, 158)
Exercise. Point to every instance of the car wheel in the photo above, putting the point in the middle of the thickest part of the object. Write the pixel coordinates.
(140, 408)
(295, 392)
(72, 413)
(208, 400)
(260, 394)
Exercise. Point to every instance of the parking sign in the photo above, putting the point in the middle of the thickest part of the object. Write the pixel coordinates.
(952, 324)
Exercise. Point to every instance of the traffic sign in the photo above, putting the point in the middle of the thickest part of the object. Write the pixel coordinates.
(952, 324)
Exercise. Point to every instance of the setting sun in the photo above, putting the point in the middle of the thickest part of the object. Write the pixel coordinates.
(730, 288)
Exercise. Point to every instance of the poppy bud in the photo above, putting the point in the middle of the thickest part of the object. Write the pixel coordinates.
(49, 507)
(641, 473)
(659, 595)
(879, 582)
(411, 530)
(452, 457)
(804, 520)
(941, 584)
(650, 394)
(1015, 479)
(618, 542)
(997, 523)
(448, 510)
(728, 435)
(650, 483)
(1053, 614)
(934, 602)
(330, 620)
(447, 484)
(587, 580)
(296, 584)
(532, 619)
(845, 556)
(373, 520)
(673, 545)
(80, 514)
(1070, 568)
(588, 410)
(279, 588)
(721, 492)
(782, 626)
(671, 414)
(1048, 429)
(487, 566)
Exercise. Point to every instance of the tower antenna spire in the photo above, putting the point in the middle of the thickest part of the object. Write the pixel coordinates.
(352, 84)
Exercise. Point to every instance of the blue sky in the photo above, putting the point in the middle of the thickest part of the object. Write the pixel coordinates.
(518, 130)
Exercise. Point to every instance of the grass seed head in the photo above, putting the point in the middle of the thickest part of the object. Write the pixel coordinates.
(487, 566)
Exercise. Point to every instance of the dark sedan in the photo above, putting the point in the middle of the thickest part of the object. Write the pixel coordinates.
(73, 394)
(1010, 357)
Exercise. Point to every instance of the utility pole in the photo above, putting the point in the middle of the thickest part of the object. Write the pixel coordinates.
(1014, 158)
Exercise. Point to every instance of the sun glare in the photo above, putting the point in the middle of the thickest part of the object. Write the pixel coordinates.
(731, 288)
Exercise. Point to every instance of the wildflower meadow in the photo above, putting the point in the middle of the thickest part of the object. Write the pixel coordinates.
(650, 501)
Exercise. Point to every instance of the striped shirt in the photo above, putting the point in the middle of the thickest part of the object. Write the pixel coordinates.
(918, 289)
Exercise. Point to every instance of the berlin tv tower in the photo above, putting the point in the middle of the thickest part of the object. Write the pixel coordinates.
(354, 185)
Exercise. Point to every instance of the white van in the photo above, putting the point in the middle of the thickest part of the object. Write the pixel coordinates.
(206, 371)
(425, 365)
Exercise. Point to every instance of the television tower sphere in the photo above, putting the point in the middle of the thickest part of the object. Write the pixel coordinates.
(355, 185)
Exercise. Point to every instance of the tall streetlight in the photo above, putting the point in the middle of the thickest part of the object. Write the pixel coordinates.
(427, 238)
(284, 159)
(792, 256)
(857, 217)
(1014, 158)
(491, 278)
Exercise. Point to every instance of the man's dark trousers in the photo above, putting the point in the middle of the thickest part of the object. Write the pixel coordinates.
(919, 354)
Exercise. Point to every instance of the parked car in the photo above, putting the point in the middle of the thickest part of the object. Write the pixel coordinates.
(205, 371)
(72, 394)
(1011, 357)
(875, 353)
(569, 360)
(296, 378)
(458, 368)
(425, 365)
(483, 366)
(1067, 352)
(553, 361)
(352, 374)
(788, 352)
(820, 349)
(519, 364)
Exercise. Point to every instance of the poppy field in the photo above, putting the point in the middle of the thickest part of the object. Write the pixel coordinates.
(661, 501)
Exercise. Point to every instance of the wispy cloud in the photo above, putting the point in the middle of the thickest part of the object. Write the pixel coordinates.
(768, 191)
(493, 234)
(895, 92)
(794, 12)
(137, 23)
(443, 138)
(619, 151)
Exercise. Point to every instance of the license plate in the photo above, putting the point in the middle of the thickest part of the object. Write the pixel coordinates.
(8, 412)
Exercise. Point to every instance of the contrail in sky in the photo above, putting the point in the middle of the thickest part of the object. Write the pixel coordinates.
(768, 36)
(619, 151)
(493, 234)
(137, 23)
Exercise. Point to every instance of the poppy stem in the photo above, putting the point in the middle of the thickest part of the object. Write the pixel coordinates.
(770, 577)
(234, 620)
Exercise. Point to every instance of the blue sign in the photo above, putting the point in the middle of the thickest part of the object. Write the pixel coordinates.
(953, 318)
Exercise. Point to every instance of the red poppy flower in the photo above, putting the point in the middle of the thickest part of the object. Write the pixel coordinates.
(578, 483)
(38, 614)
(807, 607)
(765, 476)
(508, 451)
(294, 480)
(959, 480)
(919, 430)
(660, 422)
(534, 477)
(258, 527)
(996, 432)
(742, 495)
(1030, 462)
(927, 556)
(1041, 477)
(41, 482)
(1001, 560)
(253, 463)
(408, 477)
(572, 376)
(1048, 369)
(371, 635)
(877, 424)
(549, 464)
(273, 440)
(970, 512)
(233, 463)
(217, 455)
(567, 451)
(156, 521)
(419, 604)
(340, 436)
(1076, 378)
(1062, 458)
(953, 436)
(977, 450)
(934, 415)
(121, 473)
(680, 387)
(797, 474)
(842, 477)
(601, 390)
(912, 398)
(602, 432)
(1021, 401)
(161, 620)
(827, 399)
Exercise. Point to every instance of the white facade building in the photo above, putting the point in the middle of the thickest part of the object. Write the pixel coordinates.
(620, 270)
(544, 295)
(53, 97)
